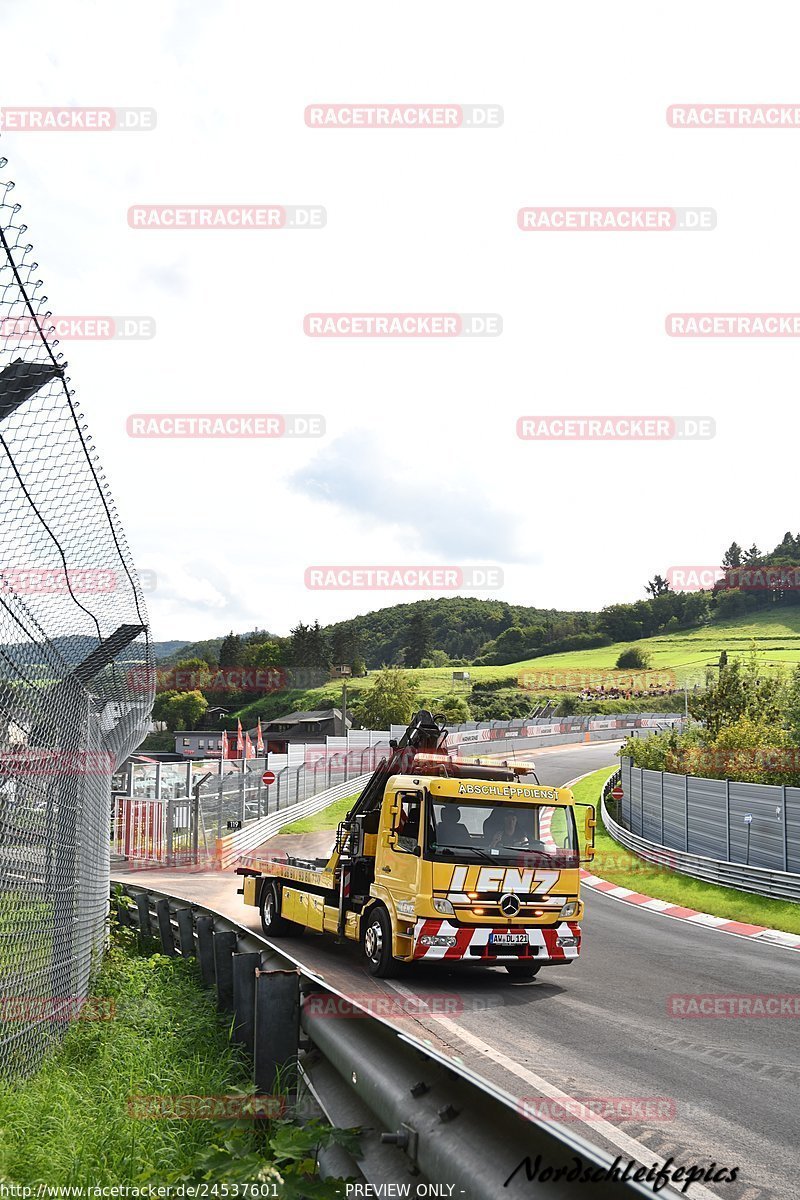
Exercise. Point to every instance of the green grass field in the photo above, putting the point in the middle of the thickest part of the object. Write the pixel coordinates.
(618, 865)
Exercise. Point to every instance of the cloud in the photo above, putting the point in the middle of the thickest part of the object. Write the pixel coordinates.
(447, 517)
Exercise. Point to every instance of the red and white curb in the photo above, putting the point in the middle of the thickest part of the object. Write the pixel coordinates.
(776, 937)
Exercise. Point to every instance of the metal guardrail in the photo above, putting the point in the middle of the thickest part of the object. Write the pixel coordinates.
(425, 1115)
(776, 884)
(697, 825)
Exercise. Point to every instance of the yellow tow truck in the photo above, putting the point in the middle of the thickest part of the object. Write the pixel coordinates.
(439, 858)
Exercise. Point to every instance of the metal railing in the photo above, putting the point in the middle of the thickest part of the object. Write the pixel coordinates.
(680, 818)
(777, 883)
(423, 1113)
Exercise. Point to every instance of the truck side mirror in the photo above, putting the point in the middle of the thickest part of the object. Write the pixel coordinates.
(589, 825)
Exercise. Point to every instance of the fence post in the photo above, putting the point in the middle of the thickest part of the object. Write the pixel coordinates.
(785, 833)
(169, 816)
(143, 905)
(186, 930)
(277, 1030)
(205, 949)
(244, 998)
(686, 812)
(165, 927)
(224, 947)
(662, 808)
(243, 790)
(219, 803)
(727, 820)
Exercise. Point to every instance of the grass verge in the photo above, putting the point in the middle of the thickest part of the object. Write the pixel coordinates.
(328, 818)
(70, 1124)
(620, 866)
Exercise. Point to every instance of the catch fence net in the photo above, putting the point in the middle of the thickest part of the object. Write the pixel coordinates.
(73, 641)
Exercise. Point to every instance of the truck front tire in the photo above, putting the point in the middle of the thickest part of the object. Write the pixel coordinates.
(272, 923)
(523, 970)
(376, 943)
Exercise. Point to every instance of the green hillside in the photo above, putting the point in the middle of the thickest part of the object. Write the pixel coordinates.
(687, 654)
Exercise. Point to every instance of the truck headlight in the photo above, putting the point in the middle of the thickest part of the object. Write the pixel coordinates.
(443, 906)
(570, 909)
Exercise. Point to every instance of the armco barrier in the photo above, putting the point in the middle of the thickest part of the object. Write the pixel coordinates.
(682, 812)
(424, 1114)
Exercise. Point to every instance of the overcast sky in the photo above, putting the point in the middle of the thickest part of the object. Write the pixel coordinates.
(420, 463)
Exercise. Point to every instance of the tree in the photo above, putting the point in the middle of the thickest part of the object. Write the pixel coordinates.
(732, 556)
(739, 691)
(179, 710)
(657, 586)
(261, 654)
(752, 555)
(633, 659)
(390, 700)
(231, 651)
(420, 637)
(309, 647)
(359, 667)
(509, 646)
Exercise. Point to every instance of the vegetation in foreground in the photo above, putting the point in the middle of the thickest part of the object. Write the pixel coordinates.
(620, 866)
(70, 1125)
(748, 729)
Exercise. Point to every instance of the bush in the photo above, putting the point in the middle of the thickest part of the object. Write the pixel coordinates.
(633, 659)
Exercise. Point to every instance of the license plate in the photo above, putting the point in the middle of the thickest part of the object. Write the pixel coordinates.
(509, 939)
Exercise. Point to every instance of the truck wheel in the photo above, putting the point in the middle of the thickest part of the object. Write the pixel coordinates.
(523, 970)
(273, 924)
(377, 943)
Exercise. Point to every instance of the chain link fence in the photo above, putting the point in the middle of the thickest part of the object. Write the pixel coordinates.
(73, 625)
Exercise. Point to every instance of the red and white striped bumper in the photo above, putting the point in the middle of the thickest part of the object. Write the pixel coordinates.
(440, 939)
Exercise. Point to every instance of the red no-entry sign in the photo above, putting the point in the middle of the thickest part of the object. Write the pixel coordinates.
(267, 778)
(616, 793)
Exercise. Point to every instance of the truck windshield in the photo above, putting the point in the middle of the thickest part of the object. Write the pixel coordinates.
(502, 833)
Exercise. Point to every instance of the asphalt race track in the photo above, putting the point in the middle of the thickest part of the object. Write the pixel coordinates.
(600, 1027)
